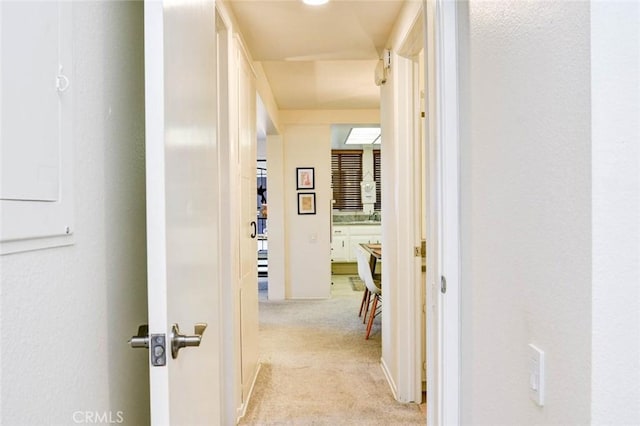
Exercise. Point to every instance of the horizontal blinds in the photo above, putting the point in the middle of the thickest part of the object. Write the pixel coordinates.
(376, 177)
(346, 174)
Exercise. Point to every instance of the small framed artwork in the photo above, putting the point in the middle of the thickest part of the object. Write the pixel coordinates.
(306, 203)
(305, 178)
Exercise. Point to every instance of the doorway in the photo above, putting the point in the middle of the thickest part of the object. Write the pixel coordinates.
(262, 235)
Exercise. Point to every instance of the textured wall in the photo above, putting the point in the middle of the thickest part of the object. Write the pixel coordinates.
(526, 210)
(67, 312)
(615, 57)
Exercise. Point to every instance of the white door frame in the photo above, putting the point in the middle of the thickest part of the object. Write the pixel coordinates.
(406, 324)
(443, 314)
(229, 269)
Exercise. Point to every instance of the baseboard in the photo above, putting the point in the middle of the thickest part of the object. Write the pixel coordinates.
(387, 374)
(242, 410)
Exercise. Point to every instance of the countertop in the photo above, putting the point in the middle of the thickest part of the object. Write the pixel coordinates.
(362, 222)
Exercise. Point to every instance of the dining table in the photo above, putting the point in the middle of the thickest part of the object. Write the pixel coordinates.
(375, 251)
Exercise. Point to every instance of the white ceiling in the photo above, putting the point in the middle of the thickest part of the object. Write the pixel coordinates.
(318, 57)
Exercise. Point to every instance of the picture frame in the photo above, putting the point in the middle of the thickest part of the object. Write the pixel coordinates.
(305, 178)
(306, 203)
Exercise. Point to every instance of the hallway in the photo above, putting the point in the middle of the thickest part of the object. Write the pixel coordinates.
(317, 368)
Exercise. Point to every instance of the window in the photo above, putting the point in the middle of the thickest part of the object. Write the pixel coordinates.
(346, 174)
(376, 177)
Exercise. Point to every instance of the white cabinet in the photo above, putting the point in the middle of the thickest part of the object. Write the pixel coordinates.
(340, 249)
(354, 243)
(36, 195)
(346, 239)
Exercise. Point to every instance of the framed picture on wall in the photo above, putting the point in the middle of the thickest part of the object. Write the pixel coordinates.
(305, 178)
(307, 203)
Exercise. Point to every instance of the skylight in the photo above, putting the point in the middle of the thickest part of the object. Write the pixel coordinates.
(363, 136)
(315, 2)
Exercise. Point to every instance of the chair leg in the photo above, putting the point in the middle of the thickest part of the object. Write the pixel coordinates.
(365, 299)
(367, 306)
(372, 315)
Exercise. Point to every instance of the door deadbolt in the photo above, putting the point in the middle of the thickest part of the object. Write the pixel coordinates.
(179, 341)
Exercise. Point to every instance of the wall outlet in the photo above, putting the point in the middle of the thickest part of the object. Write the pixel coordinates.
(536, 374)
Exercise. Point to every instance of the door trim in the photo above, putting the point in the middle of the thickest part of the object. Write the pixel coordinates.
(443, 315)
(155, 194)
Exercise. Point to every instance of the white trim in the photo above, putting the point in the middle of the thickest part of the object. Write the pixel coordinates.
(444, 340)
(387, 375)
(229, 344)
(39, 243)
(407, 299)
(243, 408)
(155, 190)
(406, 319)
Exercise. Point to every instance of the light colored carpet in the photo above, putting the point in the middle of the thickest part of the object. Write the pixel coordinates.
(318, 369)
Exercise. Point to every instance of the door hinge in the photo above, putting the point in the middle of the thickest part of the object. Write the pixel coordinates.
(443, 284)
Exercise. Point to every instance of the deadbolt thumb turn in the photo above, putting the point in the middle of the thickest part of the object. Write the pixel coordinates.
(179, 341)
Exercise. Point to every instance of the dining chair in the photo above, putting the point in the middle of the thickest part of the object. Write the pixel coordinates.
(362, 266)
(374, 289)
(365, 297)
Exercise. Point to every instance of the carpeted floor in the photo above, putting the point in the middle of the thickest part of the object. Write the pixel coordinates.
(318, 369)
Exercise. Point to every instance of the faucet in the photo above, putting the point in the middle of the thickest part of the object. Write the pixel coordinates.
(375, 216)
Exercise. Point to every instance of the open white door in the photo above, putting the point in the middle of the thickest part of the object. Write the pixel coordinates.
(248, 279)
(182, 216)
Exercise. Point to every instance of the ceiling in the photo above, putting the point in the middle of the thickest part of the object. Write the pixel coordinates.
(318, 57)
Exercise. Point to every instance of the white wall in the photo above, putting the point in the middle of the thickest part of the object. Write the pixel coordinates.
(67, 312)
(276, 224)
(308, 263)
(526, 210)
(615, 111)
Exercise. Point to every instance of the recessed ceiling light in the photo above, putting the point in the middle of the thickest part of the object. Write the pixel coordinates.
(315, 2)
(363, 136)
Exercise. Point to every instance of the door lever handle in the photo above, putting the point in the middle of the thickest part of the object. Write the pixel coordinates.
(179, 341)
(255, 229)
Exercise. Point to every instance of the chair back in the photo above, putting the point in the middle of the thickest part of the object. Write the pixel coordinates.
(364, 270)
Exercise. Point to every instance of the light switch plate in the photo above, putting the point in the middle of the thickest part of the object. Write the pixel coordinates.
(536, 374)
